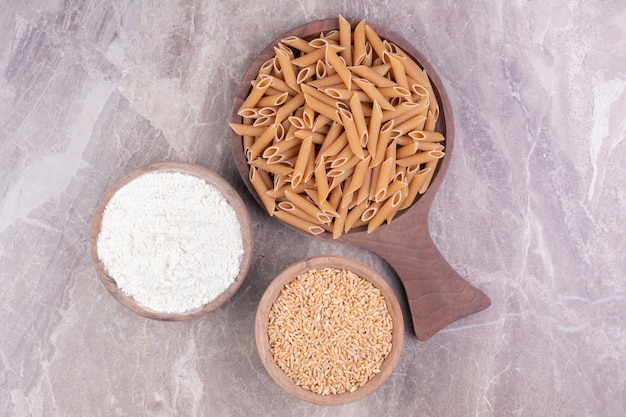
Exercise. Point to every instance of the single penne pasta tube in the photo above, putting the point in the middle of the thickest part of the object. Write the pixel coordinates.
(432, 164)
(297, 122)
(389, 208)
(308, 116)
(390, 152)
(400, 174)
(403, 140)
(345, 94)
(431, 119)
(371, 90)
(412, 69)
(382, 142)
(320, 69)
(352, 161)
(358, 43)
(358, 177)
(307, 207)
(248, 112)
(407, 150)
(288, 207)
(306, 148)
(364, 191)
(372, 75)
(305, 74)
(373, 129)
(334, 198)
(321, 179)
(276, 169)
(370, 211)
(273, 99)
(284, 156)
(262, 142)
(261, 189)
(339, 66)
(431, 92)
(247, 143)
(354, 215)
(267, 67)
(368, 59)
(426, 136)
(417, 88)
(387, 170)
(317, 137)
(332, 136)
(374, 40)
(267, 111)
(414, 123)
(347, 197)
(414, 187)
(338, 223)
(395, 91)
(399, 74)
(345, 39)
(259, 86)
(298, 43)
(280, 133)
(310, 58)
(401, 109)
(289, 107)
(429, 146)
(298, 223)
(323, 108)
(310, 167)
(420, 158)
(356, 108)
(325, 82)
(247, 129)
(354, 141)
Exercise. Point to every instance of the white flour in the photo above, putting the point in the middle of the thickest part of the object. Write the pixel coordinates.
(171, 241)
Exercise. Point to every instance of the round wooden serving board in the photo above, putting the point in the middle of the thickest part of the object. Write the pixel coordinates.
(437, 295)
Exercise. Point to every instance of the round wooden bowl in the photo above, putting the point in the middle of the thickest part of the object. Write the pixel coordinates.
(270, 296)
(227, 192)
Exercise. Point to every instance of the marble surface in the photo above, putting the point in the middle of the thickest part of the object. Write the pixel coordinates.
(532, 209)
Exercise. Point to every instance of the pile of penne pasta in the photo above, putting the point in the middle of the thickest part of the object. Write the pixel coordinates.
(339, 131)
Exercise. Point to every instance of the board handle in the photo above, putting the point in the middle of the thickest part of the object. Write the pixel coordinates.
(437, 295)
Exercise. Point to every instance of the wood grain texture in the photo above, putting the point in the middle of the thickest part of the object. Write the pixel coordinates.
(229, 194)
(271, 294)
(437, 295)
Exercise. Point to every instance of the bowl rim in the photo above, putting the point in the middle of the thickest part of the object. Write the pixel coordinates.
(211, 178)
(269, 297)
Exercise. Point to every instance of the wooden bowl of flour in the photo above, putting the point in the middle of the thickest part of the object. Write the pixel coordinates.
(171, 241)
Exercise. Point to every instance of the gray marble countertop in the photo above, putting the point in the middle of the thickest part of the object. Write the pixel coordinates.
(531, 211)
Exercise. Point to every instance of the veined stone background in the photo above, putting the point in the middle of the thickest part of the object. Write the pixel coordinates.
(531, 212)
